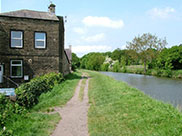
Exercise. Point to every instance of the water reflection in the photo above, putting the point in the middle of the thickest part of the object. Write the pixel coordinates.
(165, 89)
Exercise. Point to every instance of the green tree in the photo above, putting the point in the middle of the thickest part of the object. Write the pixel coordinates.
(75, 61)
(145, 45)
(170, 58)
(92, 61)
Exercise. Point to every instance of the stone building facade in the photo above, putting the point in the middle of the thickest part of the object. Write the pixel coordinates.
(67, 60)
(31, 44)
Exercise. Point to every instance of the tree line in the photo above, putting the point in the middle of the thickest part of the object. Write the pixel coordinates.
(147, 50)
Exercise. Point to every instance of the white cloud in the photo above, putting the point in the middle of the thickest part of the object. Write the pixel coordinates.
(103, 22)
(81, 50)
(161, 13)
(95, 38)
(79, 30)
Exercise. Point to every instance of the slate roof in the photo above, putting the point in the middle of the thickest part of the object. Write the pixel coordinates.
(69, 54)
(31, 14)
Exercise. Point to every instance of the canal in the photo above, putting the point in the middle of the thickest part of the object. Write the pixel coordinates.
(164, 89)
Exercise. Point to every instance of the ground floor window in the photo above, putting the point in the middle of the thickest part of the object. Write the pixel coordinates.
(16, 68)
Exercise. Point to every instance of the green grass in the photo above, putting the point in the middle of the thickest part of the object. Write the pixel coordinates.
(34, 124)
(82, 87)
(37, 123)
(136, 69)
(60, 94)
(116, 109)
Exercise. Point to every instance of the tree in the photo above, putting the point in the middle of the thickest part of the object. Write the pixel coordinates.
(170, 58)
(145, 45)
(92, 61)
(116, 54)
(75, 61)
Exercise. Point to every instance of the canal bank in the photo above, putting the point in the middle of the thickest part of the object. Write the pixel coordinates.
(165, 89)
(118, 109)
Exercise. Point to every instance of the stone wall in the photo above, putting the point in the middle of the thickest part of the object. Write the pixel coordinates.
(35, 61)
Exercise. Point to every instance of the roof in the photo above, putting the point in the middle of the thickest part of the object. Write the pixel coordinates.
(31, 14)
(69, 54)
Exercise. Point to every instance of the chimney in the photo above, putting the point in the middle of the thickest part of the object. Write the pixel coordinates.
(70, 47)
(52, 8)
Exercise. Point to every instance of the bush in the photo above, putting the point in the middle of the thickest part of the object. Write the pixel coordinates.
(105, 67)
(7, 112)
(116, 67)
(28, 93)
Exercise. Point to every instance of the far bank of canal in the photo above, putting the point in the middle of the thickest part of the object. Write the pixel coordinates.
(165, 89)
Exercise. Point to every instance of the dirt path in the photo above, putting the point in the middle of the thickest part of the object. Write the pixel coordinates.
(74, 115)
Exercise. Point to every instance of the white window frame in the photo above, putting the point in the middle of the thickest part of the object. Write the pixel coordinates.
(17, 39)
(40, 40)
(13, 65)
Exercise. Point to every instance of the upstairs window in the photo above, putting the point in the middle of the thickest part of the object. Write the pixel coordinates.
(16, 68)
(40, 40)
(16, 39)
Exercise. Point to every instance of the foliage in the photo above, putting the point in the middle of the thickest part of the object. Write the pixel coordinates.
(116, 67)
(60, 94)
(109, 54)
(170, 58)
(92, 61)
(28, 93)
(116, 109)
(116, 54)
(22, 122)
(7, 113)
(105, 67)
(145, 47)
(33, 124)
(75, 62)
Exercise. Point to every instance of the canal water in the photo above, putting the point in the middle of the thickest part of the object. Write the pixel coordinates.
(165, 89)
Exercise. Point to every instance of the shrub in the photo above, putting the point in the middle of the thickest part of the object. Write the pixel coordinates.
(105, 67)
(28, 93)
(7, 112)
(116, 67)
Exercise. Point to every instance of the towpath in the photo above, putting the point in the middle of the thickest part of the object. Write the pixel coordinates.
(74, 114)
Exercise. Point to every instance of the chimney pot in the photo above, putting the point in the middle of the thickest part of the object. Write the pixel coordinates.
(52, 8)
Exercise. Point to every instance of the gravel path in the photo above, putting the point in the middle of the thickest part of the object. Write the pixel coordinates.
(74, 115)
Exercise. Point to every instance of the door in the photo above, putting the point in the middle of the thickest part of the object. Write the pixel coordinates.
(1, 73)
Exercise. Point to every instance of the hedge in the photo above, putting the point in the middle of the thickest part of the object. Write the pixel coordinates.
(8, 110)
(27, 94)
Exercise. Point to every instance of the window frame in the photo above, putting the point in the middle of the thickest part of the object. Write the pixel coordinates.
(22, 39)
(45, 40)
(13, 65)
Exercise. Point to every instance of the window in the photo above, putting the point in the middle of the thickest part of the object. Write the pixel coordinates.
(16, 68)
(16, 39)
(40, 40)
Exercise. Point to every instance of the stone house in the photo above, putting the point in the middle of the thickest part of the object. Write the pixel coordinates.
(68, 59)
(31, 44)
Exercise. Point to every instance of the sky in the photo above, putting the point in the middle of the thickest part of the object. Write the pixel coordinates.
(105, 25)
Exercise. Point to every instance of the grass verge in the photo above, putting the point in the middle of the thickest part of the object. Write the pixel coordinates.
(116, 109)
(82, 87)
(60, 94)
(36, 123)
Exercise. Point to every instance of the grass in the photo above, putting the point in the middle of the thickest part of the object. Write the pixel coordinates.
(37, 123)
(82, 87)
(116, 109)
(60, 94)
(34, 124)
(139, 69)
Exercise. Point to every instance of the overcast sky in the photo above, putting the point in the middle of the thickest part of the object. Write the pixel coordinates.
(104, 25)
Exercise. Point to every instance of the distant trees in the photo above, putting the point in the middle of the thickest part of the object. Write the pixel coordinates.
(170, 58)
(75, 61)
(148, 50)
(145, 47)
(92, 61)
